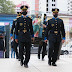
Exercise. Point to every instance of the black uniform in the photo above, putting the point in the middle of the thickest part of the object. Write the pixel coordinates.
(55, 32)
(42, 43)
(13, 32)
(24, 30)
(2, 41)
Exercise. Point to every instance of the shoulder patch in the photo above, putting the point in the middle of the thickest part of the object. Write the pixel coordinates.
(15, 19)
(30, 17)
(49, 18)
(60, 18)
(18, 16)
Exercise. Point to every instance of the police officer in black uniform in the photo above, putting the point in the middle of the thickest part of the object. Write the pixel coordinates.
(55, 33)
(13, 33)
(24, 32)
(2, 35)
(41, 41)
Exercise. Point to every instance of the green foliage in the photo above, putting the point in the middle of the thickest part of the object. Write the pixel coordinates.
(7, 6)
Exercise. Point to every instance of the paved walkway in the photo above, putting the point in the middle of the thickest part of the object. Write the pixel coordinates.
(35, 65)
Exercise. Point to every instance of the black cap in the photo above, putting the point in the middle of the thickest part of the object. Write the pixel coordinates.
(55, 10)
(24, 7)
(44, 14)
(19, 13)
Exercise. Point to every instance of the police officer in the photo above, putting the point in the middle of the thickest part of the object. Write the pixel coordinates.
(24, 31)
(55, 29)
(2, 35)
(41, 41)
(13, 32)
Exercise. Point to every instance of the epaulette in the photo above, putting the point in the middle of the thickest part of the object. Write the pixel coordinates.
(30, 17)
(15, 19)
(18, 16)
(49, 18)
(60, 18)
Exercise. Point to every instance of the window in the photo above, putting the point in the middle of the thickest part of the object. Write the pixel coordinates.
(71, 5)
(71, 12)
(71, 8)
(52, 5)
(47, 5)
(47, 0)
(71, 2)
(54, 0)
(46, 9)
(68, 9)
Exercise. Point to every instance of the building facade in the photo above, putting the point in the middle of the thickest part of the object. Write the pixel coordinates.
(47, 5)
(70, 6)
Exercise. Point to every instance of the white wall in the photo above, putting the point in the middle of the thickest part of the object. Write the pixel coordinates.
(62, 5)
(42, 6)
(32, 6)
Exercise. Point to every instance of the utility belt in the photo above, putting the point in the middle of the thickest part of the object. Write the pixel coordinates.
(55, 32)
(25, 31)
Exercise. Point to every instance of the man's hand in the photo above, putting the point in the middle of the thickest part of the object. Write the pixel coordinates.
(46, 41)
(63, 41)
(33, 39)
(5, 50)
(11, 37)
(16, 40)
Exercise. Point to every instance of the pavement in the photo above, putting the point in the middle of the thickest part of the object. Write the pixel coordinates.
(36, 65)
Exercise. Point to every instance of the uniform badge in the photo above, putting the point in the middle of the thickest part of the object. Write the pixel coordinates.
(55, 9)
(52, 25)
(21, 24)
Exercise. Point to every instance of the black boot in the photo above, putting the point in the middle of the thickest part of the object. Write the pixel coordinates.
(49, 62)
(25, 64)
(54, 64)
(38, 56)
(21, 63)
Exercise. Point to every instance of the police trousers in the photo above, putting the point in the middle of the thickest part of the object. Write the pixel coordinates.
(53, 50)
(27, 46)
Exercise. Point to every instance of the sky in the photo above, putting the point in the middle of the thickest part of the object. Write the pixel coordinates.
(16, 2)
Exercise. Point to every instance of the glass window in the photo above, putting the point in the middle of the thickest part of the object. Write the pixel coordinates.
(52, 5)
(52, 0)
(47, 0)
(46, 9)
(47, 5)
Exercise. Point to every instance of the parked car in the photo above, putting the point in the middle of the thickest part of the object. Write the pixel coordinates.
(65, 50)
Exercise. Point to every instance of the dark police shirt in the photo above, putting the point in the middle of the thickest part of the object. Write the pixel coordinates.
(44, 29)
(13, 27)
(55, 28)
(24, 29)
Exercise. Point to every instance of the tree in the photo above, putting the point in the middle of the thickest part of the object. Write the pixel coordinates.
(7, 6)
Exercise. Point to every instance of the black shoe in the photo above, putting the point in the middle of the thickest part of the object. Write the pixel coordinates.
(53, 64)
(49, 62)
(19, 60)
(26, 65)
(42, 59)
(21, 63)
(16, 57)
(38, 56)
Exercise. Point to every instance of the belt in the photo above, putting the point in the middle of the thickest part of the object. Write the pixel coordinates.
(56, 32)
(24, 31)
